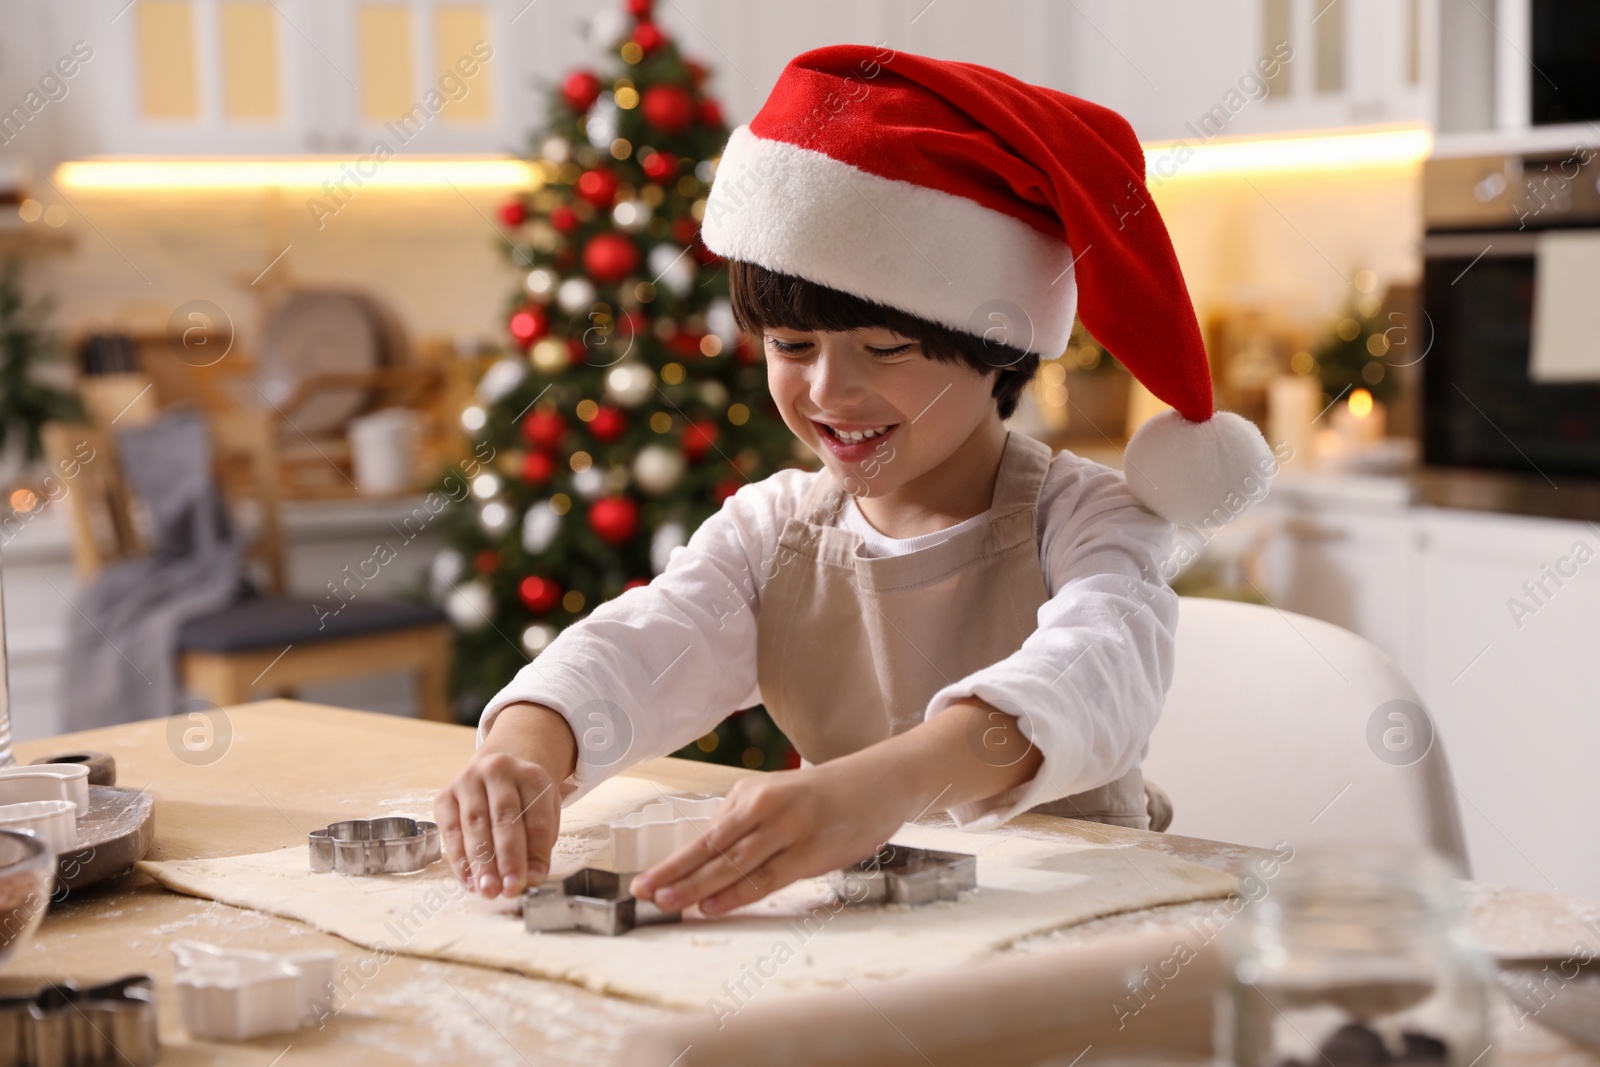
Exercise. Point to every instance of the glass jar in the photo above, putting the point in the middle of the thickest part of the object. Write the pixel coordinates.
(1356, 956)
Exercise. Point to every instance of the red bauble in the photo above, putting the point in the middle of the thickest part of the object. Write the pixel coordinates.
(698, 437)
(659, 166)
(697, 73)
(599, 186)
(610, 257)
(640, 9)
(710, 113)
(615, 519)
(685, 230)
(580, 89)
(725, 489)
(607, 425)
(528, 325)
(648, 36)
(634, 583)
(544, 429)
(537, 468)
(513, 213)
(564, 218)
(487, 561)
(668, 107)
(539, 594)
(686, 344)
(576, 353)
(703, 255)
(743, 352)
(632, 324)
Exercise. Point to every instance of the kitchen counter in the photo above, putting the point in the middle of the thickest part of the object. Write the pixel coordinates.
(291, 767)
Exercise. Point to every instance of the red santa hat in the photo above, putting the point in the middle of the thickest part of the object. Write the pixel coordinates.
(974, 200)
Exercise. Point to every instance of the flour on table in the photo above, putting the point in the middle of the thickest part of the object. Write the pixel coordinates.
(799, 939)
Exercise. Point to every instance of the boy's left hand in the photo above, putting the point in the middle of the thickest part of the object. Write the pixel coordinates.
(776, 828)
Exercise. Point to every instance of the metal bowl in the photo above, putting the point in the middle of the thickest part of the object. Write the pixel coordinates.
(1560, 994)
(27, 878)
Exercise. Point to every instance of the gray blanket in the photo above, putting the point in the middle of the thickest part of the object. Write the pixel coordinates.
(121, 662)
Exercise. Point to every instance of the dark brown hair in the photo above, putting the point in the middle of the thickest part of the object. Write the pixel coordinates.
(763, 298)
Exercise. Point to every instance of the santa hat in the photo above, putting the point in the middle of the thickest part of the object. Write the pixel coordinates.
(971, 199)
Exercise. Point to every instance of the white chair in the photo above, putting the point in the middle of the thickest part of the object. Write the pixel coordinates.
(1272, 731)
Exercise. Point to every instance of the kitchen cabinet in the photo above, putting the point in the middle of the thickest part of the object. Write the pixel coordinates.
(1494, 620)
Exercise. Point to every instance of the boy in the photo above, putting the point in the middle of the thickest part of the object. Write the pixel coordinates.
(945, 616)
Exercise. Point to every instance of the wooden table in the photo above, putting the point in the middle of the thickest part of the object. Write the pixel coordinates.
(290, 767)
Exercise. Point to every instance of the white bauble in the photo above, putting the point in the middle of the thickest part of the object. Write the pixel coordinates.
(603, 28)
(556, 149)
(503, 376)
(540, 524)
(589, 483)
(470, 606)
(658, 468)
(672, 267)
(630, 383)
(540, 282)
(494, 517)
(537, 637)
(714, 394)
(719, 320)
(668, 536)
(631, 215)
(575, 295)
(444, 572)
(601, 125)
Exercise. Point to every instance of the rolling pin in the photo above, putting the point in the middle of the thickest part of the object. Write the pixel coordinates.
(1151, 993)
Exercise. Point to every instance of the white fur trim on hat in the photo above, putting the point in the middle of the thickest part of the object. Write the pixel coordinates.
(938, 256)
(1199, 472)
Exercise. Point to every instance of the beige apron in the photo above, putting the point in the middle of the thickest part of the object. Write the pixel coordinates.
(850, 648)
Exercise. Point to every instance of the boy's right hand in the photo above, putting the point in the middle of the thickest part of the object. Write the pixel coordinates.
(499, 817)
(498, 820)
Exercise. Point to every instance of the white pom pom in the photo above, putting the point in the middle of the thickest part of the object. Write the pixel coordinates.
(1199, 472)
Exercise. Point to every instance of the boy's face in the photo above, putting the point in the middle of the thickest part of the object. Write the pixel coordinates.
(834, 388)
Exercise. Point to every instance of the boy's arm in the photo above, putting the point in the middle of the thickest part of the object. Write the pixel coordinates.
(1086, 687)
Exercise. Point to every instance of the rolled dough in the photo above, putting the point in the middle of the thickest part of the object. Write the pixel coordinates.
(795, 940)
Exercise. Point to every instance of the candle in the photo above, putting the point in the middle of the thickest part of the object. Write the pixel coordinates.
(1293, 401)
(1360, 420)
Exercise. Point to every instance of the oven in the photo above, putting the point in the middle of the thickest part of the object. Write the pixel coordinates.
(1510, 405)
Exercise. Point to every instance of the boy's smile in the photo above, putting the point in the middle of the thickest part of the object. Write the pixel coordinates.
(915, 440)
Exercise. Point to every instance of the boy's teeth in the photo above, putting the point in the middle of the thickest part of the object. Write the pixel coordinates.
(853, 436)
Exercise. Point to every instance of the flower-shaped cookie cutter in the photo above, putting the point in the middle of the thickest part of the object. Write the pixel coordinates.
(593, 901)
(644, 838)
(897, 874)
(234, 995)
(70, 1026)
(395, 844)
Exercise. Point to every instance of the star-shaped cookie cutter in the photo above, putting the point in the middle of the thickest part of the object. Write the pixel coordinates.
(391, 845)
(898, 874)
(69, 1026)
(593, 901)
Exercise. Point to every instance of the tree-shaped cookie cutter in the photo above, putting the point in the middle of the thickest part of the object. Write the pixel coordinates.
(898, 874)
(592, 901)
(235, 995)
(69, 1026)
(644, 838)
(392, 845)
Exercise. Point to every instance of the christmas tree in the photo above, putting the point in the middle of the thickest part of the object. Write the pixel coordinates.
(631, 407)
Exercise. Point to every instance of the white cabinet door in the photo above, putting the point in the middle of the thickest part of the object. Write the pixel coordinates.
(1511, 673)
(253, 77)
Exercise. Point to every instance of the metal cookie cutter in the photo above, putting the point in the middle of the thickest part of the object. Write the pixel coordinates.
(901, 875)
(393, 845)
(235, 995)
(646, 837)
(593, 901)
(64, 1025)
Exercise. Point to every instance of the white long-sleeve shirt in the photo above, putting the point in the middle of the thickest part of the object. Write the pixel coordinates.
(679, 655)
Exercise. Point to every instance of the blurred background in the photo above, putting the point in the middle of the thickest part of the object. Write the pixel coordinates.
(352, 349)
